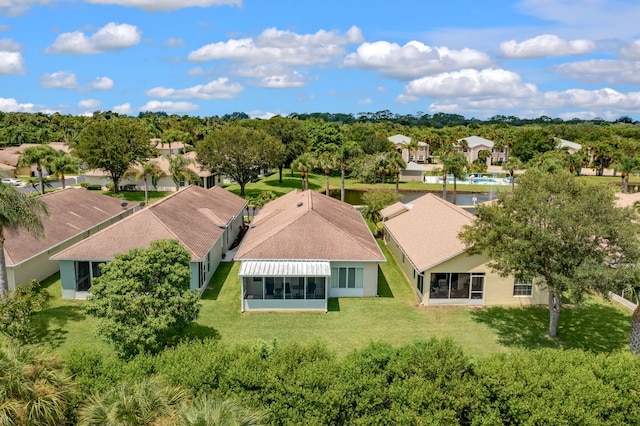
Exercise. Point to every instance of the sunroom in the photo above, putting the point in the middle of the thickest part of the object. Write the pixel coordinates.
(274, 285)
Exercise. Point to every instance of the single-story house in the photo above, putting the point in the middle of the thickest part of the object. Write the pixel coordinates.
(423, 238)
(165, 183)
(168, 148)
(205, 221)
(472, 145)
(413, 172)
(419, 155)
(303, 248)
(74, 214)
(10, 156)
(571, 147)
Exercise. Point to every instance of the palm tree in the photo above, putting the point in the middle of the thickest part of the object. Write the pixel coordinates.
(456, 164)
(38, 155)
(180, 171)
(626, 165)
(61, 164)
(446, 149)
(327, 161)
(412, 147)
(304, 164)
(148, 170)
(149, 402)
(205, 411)
(18, 211)
(343, 153)
(34, 389)
(511, 166)
(395, 164)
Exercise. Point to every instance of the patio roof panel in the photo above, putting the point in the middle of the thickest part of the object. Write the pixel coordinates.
(273, 268)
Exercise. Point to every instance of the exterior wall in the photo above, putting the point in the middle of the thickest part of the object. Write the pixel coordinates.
(370, 281)
(164, 183)
(418, 156)
(411, 175)
(284, 305)
(40, 267)
(232, 231)
(497, 290)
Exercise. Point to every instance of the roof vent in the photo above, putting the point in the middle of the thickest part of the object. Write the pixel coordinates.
(299, 204)
(124, 204)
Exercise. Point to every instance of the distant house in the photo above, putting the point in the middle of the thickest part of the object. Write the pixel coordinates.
(401, 142)
(413, 172)
(472, 145)
(205, 221)
(165, 183)
(10, 156)
(570, 147)
(423, 237)
(303, 248)
(168, 148)
(74, 214)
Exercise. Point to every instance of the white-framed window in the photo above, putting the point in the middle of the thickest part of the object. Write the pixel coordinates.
(523, 286)
(347, 277)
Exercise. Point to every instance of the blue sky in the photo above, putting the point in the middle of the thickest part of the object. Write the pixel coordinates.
(561, 58)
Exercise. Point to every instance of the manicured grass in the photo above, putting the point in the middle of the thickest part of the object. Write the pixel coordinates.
(395, 317)
(138, 196)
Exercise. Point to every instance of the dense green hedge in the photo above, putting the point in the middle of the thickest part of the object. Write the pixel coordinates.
(431, 382)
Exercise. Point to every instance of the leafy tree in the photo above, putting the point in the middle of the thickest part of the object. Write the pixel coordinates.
(18, 211)
(180, 171)
(147, 170)
(293, 134)
(113, 145)
(17, 310)
(33, 388)
(38, 155)
(240, 153)
(565, 231)
(376, 200)
(531, 141)
(61, 164)
(142, 299)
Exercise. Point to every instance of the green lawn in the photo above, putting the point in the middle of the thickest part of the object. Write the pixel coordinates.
(138, 196)
(394, 317)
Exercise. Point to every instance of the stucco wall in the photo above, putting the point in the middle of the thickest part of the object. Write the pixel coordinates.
(370, 281)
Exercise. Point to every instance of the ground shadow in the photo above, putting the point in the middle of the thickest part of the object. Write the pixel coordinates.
(49, 325)
(217, 281)
(594, 327)
(199, 332)
(333, 304)
(384, 290)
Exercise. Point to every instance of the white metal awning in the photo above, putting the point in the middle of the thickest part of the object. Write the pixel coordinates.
(283, 268)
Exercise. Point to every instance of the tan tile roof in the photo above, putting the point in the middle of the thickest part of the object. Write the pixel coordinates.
(72, 211)
(195, 216)
(11, 155)
(428, 233)
(309, 225)
(393, 210)
(163, 163)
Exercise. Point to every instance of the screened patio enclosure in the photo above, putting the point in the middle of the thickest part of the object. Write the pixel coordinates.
(275, 285)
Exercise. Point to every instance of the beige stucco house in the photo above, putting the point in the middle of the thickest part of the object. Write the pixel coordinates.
(10, 156)
(423, 237)
(205, 221)
(303, 248)
(74, 214)
(412, 173)
(472, 145)
(401, 143)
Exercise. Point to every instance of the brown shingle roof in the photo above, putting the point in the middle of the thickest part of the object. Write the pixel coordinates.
(72, 211)
(309, 225)
(428, 233)
(195, 216)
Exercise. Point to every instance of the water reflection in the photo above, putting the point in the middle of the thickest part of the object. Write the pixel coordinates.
(464, 200)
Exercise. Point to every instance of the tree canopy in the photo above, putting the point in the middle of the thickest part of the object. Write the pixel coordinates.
(142, 299)
(566, 231)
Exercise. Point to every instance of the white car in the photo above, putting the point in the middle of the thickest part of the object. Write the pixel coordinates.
(12, 181)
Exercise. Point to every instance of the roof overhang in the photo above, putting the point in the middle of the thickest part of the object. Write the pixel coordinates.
(284, 268)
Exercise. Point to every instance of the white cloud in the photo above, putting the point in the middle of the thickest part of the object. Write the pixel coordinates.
(124, 109)
(544, 46)
(8, 45)
(608, 71)
(216, 89)
(169, 107)
(59, 80)
(89, 103)
(159, 5)
(414, 59)
(631, 51)
(174, 42)
(11, 105)
(108, 38)
(262, 115)
(101, 83)
(581, 98)
(469, 82)
(280, 47)
(282, 81)
(11, 63)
